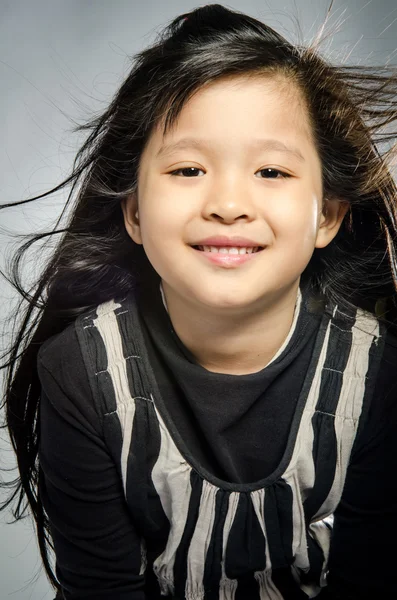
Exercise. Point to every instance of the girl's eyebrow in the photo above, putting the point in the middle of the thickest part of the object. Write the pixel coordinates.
(258, 144)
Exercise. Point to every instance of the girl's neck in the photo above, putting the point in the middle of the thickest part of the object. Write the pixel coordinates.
(233, 346)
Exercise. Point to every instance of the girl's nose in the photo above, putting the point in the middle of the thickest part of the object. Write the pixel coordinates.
(229, 202)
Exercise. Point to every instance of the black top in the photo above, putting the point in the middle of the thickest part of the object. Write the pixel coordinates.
(239, 434)
(223, 416)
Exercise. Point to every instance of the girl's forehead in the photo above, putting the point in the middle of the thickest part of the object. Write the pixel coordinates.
(271, 101)
(275, 89)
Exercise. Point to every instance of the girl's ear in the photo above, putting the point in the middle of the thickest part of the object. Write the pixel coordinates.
(129, 206)
(331, 219)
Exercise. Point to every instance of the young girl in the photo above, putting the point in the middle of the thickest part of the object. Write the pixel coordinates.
(202, 394)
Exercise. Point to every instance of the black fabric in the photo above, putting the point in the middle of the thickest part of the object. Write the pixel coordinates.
(278, 502)
(218, 413)
(96, 541)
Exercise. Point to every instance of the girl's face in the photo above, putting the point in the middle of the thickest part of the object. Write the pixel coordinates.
(240, 161)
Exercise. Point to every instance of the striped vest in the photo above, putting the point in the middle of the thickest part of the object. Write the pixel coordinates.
(203, 538)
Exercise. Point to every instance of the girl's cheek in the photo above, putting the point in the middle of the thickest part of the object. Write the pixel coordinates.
(306, 216)
(295, 224)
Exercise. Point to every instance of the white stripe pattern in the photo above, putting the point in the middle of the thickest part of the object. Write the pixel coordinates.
(171, 474)
(194, 589)
(171, 479)
(228, 587)
(267, 589)
(350, 403)
(106, 323)
(300, 473)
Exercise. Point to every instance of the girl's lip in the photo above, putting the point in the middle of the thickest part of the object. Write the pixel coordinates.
(223, 240)
(227, 260)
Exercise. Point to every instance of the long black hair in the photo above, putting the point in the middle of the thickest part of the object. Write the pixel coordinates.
(352, 111)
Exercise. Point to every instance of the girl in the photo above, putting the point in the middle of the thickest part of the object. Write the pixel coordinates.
(202, 393)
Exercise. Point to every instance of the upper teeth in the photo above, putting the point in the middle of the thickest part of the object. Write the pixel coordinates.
(228, 249)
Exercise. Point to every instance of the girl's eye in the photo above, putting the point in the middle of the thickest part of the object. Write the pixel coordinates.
(187, 171)
(273, 173)
(269, 172)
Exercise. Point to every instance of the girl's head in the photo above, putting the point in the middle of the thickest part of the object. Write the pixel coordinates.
(241, 160)
(231, 81)
(278, 147)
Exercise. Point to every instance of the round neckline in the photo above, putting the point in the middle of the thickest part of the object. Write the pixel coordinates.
(189, 459)
(278, 355)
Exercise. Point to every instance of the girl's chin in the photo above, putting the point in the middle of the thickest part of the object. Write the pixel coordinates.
(225, 304)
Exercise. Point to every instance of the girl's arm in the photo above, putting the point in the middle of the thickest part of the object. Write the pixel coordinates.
(98, 553)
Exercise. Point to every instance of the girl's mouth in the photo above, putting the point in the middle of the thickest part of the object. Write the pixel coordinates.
(229, 249)
(228, 256)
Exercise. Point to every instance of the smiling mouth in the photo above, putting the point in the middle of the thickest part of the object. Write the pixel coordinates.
(232, 250)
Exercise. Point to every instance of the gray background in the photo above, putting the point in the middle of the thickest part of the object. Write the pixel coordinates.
(60, 61)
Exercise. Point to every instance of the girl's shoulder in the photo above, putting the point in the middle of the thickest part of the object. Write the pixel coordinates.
(65, 382)
(60, 347)
(67, 344)
(67, 366)
(389, 356)
(391, 337)
(379, 424)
